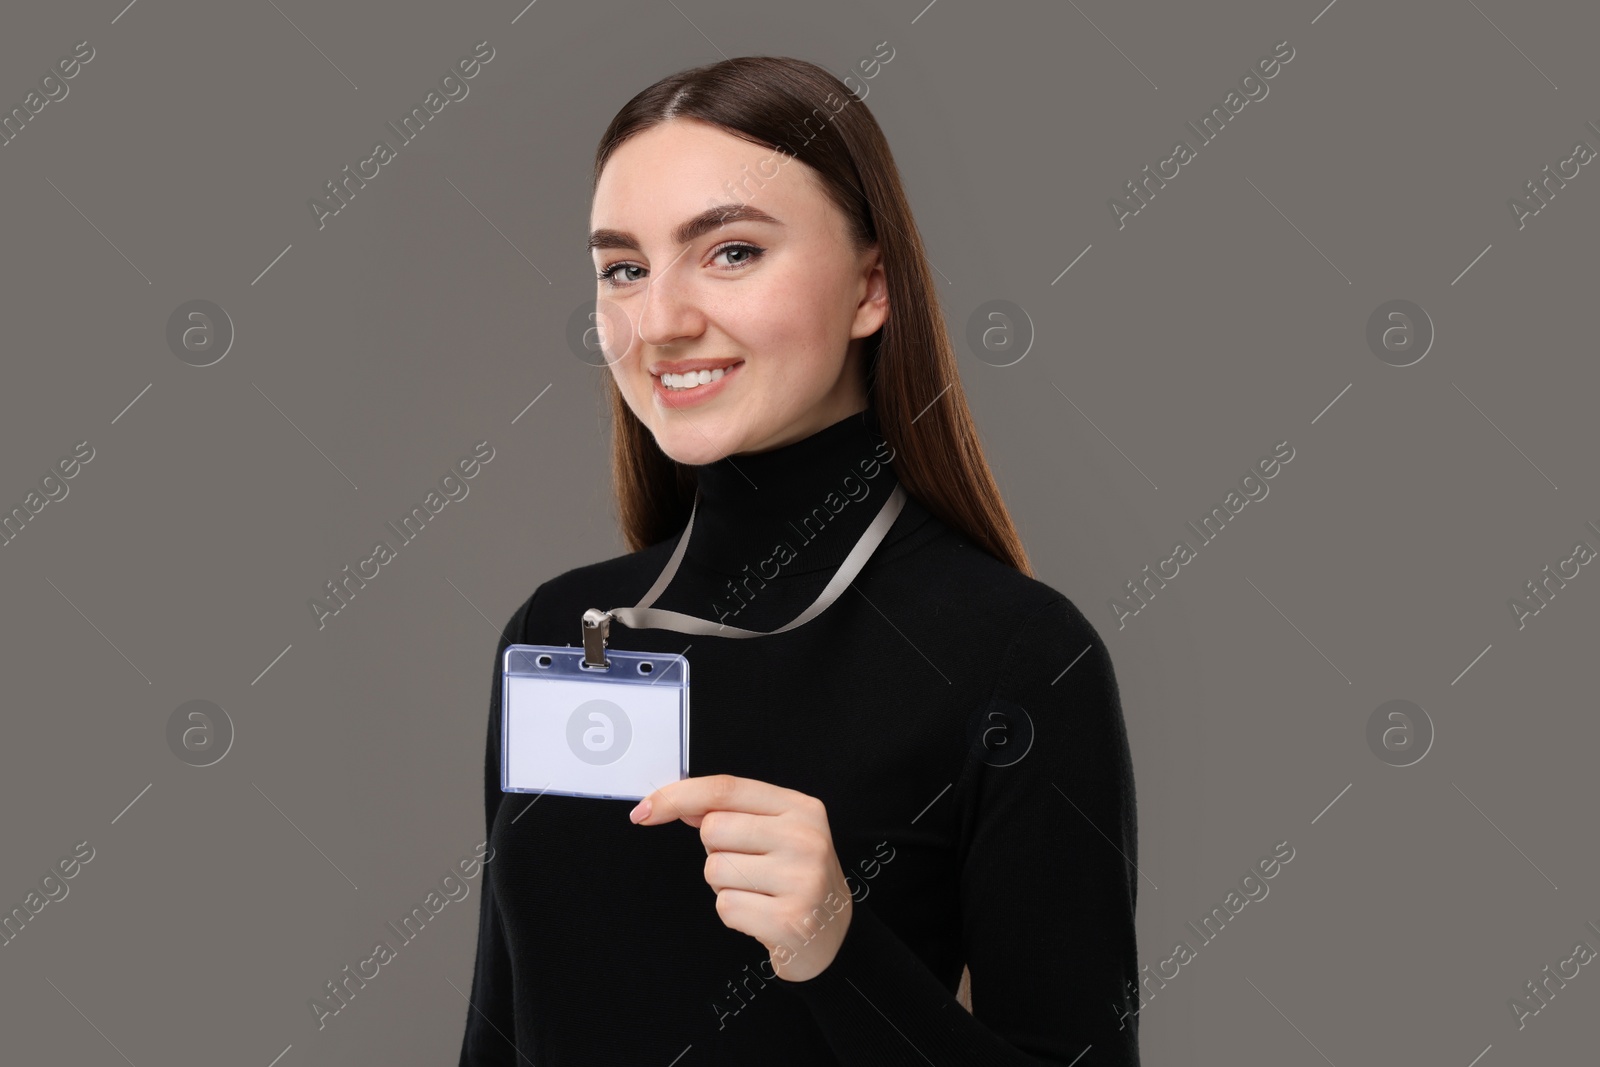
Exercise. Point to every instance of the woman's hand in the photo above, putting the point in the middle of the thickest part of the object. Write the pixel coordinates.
(770, 859)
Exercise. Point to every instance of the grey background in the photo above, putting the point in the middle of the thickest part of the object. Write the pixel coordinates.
(1215, 324)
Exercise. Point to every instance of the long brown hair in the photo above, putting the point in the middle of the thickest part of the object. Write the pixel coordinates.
(800, 109)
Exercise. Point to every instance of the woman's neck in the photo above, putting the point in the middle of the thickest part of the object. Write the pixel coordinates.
(793, 509)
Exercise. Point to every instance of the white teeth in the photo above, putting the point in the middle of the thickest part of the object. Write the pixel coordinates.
(692, 380)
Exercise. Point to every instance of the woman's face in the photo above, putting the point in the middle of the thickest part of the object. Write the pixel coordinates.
(778, 296)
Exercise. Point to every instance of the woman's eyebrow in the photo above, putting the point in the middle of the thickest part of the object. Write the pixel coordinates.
(707, 220)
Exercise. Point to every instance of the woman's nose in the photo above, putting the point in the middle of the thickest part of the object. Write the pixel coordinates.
(671, 310)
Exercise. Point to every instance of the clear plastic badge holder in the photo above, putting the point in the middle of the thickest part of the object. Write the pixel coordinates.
(615, 732)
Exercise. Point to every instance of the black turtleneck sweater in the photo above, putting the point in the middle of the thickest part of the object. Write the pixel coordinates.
(959, 720)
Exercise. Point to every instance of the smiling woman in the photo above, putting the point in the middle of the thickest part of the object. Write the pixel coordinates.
(904, 678)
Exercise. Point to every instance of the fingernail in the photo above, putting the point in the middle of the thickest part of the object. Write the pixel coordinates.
(640, 810)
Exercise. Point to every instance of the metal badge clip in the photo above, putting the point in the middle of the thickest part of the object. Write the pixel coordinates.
(596, 630)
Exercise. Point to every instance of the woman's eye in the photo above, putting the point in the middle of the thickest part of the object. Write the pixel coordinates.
(608, 276)
(745, 253)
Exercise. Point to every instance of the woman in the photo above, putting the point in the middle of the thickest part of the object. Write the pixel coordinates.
(932, 774)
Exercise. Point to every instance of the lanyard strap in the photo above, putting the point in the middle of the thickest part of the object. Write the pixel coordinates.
(596, 623)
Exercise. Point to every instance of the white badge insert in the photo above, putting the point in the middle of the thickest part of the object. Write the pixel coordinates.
(618, 732)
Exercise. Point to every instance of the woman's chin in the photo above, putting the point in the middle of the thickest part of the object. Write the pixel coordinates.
(692, 445)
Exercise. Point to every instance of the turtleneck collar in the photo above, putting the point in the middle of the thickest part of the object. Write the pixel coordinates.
(815, 496)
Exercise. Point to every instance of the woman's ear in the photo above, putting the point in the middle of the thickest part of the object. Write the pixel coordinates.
(873, 309)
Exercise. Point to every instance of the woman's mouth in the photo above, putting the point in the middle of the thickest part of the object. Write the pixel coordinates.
(682, 390)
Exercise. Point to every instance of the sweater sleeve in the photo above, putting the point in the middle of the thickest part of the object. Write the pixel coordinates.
(1048, 884)
(490, 1035)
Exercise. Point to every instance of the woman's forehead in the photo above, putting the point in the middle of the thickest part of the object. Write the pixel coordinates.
(679, 168)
